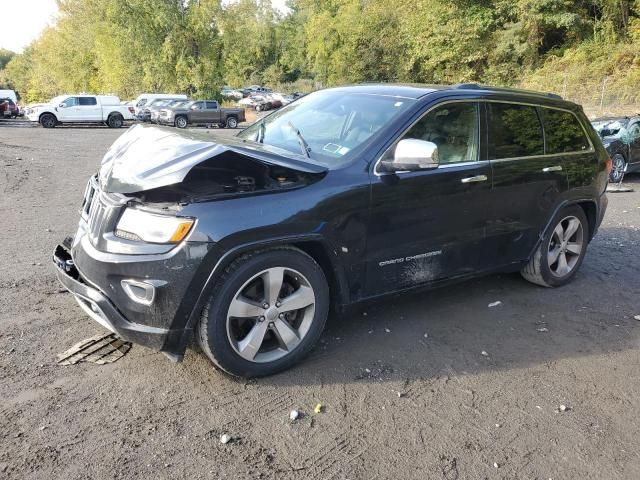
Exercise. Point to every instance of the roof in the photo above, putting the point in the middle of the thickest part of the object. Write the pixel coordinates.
(416, 90)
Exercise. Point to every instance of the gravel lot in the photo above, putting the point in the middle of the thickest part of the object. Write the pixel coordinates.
(406, 390)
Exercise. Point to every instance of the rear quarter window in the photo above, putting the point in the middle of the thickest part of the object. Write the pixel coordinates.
(563, 131)
(514, 131)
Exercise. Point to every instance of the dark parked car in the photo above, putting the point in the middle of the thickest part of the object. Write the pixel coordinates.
(621, 138)
(203, 112)
(346, 195)
(144, 114)
(8, 108)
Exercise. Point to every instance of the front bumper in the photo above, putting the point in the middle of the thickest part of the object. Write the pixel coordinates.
(100, 308)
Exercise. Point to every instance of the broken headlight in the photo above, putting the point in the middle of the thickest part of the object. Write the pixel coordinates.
(142, 226)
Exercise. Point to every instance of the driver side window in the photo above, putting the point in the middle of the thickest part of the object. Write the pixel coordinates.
(70, 102)
(454, 128)
(634, 132)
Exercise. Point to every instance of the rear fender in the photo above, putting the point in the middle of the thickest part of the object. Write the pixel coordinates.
(549, 225)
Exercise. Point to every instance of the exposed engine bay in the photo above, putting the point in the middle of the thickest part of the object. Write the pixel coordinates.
(167, 167)
(227, 174)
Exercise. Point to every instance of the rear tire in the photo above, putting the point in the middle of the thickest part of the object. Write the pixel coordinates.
(232, 122)
(115, 121)
(181, 122)
(561, 251)
(261, 341)
(48, 120)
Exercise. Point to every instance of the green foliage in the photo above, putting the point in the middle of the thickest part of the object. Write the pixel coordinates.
(130, 46)
(5, 57)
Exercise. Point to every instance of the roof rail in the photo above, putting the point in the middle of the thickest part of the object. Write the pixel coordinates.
(476, 86)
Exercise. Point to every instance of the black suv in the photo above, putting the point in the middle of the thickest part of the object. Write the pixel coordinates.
(346, 194)
(621, 139)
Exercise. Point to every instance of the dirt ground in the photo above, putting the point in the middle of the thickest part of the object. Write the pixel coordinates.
(406, 390)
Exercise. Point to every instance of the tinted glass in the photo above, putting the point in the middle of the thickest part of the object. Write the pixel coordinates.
(563, 132)
(212, 105)
(87, 101)
(514, 131)
(453, 128)
(197, 106)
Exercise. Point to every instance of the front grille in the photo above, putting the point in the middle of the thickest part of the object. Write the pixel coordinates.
(100, 211)
(89, 193)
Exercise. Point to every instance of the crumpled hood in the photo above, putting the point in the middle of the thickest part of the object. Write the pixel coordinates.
(147, 157)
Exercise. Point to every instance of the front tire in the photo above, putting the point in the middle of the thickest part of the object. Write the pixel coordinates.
(561, 251)
(232, 122)
(619, 166)
(181, 122)
(267, 311)
(48, 120)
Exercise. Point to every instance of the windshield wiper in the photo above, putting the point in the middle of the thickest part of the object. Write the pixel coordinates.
(263, 131)
(303, 144)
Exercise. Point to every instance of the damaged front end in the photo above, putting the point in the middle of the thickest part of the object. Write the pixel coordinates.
(138, 246)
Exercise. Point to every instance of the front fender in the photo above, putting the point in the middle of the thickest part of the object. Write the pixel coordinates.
(215, 264)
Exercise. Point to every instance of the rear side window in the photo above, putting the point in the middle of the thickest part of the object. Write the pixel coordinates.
(514, 131)
(85, 101)
(212, 105)
(563, 132)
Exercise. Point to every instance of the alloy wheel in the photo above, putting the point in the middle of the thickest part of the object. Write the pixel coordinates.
(270, 314)
(565, 246)
(618, 167)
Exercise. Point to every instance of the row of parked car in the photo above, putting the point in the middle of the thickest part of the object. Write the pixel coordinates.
(178, 111)
(259, 98)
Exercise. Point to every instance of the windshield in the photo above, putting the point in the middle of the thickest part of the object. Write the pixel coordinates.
(329, 125)
(610, 128)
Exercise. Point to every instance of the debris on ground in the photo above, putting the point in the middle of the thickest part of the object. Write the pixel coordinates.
(293, 415)
(484, 353)
(225, 438)
(495, 304)
(387, 330)
(495, 465)
(542, 329)
(99, 349)
(426, 335)
(637, 317)
(376, 372)
(618, 188)
(563, 408)
(318, 408)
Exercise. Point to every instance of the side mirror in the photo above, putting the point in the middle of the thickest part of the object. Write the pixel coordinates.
(412, 155)
(62, 105)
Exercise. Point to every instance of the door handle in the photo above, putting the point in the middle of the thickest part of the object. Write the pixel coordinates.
(555, 168)
(477, 178)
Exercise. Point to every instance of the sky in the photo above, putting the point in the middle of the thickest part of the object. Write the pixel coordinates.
(27, 18)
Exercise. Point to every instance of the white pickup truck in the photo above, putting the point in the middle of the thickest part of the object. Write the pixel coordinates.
(104, 109)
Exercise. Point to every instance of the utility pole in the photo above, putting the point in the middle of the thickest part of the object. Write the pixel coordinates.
(604, 85)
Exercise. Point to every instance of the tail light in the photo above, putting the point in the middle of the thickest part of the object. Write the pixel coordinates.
(609, 165)
(131, 110)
